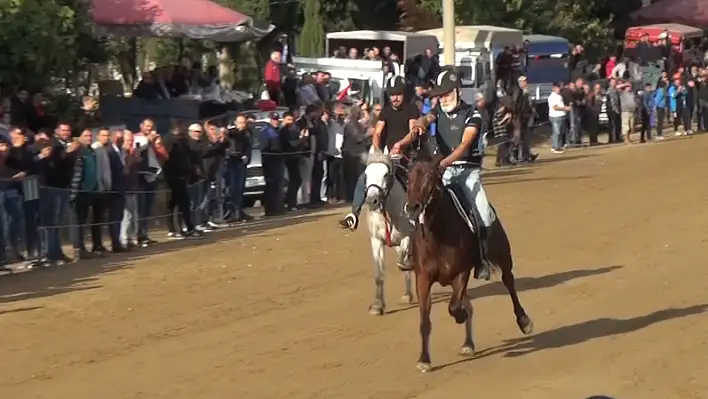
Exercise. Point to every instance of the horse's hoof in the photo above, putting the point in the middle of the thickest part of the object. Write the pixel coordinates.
(467, 350)
(404, 268)
(525, 325)
(376, 310)
(407, 299)
(423, 367)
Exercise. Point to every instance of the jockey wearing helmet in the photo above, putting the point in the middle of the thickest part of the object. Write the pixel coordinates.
(458, 139)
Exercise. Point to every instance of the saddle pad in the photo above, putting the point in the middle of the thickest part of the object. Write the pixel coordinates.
(462, 209)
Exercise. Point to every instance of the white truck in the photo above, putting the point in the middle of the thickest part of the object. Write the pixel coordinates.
(362, 79)
(476, 49)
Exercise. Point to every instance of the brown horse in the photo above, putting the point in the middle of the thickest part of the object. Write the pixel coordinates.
(445, 250)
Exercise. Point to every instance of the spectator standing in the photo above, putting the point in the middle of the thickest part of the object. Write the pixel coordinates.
(84, 194)
(54, 198)
(677, 102)
(628, 107)
(613, 113)
(557, 114)
(33, 160)
(318, 191)
(294, 143)
(661, 104)
(646, 112)
(592, 112)
(238, 156)
(179, 169)
(272, 76)
(273, 166)
(354, 149)
(207, 149)
(335, 163)
(105, 195)
(691, 100)
(11, 172)
(151, 154)
(131, 158)
(116, 199)
(213, 171)
(703, 104)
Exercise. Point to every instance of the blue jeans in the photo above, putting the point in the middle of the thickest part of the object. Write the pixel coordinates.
(146, 200)
(557, 124)
(10, 222)
(575, 126)
(54, 203)
(32, 222)
(359, 194)
(236, 181)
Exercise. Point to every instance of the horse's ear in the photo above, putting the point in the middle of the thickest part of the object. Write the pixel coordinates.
(437, 158)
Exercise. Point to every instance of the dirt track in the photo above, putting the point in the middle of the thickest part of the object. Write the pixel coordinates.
(610, 257)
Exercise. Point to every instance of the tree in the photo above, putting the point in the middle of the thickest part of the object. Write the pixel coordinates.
(311, 41)
(42, 40)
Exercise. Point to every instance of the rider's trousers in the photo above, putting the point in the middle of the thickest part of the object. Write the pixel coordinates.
(468, 179)
(359, 194)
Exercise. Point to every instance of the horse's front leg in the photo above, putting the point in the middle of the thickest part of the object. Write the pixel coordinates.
(460, 308)
(423, 285)
(377, 249)
(403, 264)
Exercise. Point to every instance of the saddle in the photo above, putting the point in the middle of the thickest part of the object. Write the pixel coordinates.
(464, 208)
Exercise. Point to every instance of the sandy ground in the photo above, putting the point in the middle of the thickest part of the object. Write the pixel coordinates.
(610, 250)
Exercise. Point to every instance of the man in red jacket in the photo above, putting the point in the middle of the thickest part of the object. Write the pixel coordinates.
(272, 76)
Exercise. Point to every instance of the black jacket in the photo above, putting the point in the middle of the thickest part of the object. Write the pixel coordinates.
(239, 144)
(291, 143)
(182, 158)
(211, 156)
(60, 175)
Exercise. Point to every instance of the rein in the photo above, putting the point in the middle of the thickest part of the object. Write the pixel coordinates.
(384, 197)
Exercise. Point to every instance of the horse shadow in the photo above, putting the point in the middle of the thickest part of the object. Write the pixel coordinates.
(522, 284)
(582, 332)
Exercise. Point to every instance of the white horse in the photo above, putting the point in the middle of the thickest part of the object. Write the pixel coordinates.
(388, 225)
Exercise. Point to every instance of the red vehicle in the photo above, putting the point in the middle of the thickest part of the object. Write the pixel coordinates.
(683, 37)
(680, 35)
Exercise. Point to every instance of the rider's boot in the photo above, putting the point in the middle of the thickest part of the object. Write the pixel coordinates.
(483, 271)
(351, 220)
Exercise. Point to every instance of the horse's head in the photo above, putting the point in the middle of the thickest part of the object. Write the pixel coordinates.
(424, 186)
(379, 179)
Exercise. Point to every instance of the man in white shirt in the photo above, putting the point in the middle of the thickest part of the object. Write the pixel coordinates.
(557, 113)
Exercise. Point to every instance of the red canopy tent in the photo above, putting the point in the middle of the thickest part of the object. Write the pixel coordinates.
(193, 19)
(687, 12)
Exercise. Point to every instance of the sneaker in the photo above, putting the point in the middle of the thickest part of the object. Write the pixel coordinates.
(204, 228)
(174, 236)
(658, 138)
(555, 151)
(213, 224)
(194, 235)
(351, 222)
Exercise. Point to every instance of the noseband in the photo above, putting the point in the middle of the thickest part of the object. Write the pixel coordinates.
(383, 192)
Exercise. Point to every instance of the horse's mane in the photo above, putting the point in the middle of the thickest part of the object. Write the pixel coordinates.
(379, 157)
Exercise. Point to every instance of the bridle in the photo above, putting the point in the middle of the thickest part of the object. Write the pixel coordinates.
(390, 181)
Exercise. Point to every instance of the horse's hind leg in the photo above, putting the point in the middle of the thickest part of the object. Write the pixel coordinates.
(377, 249)
(504, 261)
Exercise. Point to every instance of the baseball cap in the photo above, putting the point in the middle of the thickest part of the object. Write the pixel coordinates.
(274, 116)
(195, 127)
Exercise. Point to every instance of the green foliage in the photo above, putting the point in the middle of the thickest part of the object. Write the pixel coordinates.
(311, 42)
(45, 39)
(576, 20)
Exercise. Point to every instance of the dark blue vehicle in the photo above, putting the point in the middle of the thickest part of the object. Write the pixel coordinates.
(547, 62)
